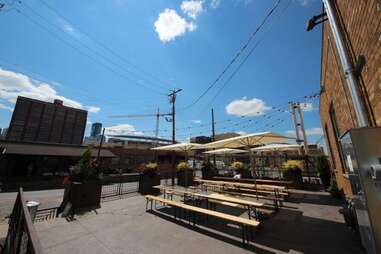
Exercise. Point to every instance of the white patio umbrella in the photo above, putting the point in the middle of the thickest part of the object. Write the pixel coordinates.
(180, 147)
(248, 141)
(277, 147)
(225, 151)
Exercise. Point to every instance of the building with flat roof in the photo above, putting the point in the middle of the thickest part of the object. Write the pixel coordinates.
(96, 129)
(44, 122)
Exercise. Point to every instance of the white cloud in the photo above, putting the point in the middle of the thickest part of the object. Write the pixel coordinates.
(3, 106)
(309, 132)
(314, 131)
(197, 121)
(13, 84)
(305, 2)
(307, 106)
(93, 109)
(122, 129)
(170, 25)
(215, 3)
(241, 132)
(247, 107)
(192, 8)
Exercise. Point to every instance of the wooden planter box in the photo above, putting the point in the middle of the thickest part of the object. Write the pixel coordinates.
(185, 178)
(146, 182)
(295, 178)
(82, 195)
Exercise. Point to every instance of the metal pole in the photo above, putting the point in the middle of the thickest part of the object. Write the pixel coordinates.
(172, 96)
(213, 137)
(302, 128)
(349, 72)
(100, 144)
(292, 107)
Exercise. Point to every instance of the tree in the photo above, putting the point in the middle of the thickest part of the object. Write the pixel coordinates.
(323, 168)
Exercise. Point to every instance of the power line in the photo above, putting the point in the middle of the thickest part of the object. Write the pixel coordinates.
(101, 44)
(237, 55)
(244, 60)
(95, 60)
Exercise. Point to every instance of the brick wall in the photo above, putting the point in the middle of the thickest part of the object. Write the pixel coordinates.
(361, 21)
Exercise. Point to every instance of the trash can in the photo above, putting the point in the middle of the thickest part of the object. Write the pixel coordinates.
(32, 207)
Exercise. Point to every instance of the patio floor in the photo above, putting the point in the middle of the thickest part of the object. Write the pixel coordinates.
(309, 223)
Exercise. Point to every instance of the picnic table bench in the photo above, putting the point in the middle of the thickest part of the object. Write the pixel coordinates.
(245, 224)
(216, 198)
(260, 181)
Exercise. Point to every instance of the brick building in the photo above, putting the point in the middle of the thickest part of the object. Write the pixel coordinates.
(45, 122)
(360, 22)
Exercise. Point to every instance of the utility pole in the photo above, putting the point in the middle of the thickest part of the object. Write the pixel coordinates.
(306, 150)
(99, 149)
(213, 137)
(172, 100)
(292, 108)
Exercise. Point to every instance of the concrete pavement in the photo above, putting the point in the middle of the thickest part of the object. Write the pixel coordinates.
(309, 223)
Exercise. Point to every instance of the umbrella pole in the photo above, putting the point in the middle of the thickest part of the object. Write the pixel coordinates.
(253, 171)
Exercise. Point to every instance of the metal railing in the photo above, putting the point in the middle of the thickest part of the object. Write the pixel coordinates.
(22, 236)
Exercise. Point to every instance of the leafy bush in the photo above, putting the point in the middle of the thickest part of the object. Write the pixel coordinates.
(334, 190)
(150, 168)
(292, 166)
(324, 172)
(237, 165)
(182, 166)
(86, 169)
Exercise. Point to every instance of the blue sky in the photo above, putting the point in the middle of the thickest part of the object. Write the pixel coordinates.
(55, 49)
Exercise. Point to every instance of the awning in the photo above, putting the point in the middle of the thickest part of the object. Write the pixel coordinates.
(249, 140)
(225, 151)
(277, 147)
(16, 148)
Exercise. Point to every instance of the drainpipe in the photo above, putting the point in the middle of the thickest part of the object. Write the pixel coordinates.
(349, 72)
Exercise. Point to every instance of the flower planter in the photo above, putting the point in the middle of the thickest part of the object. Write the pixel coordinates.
(147, 181)
(82, 195)
(295, 177)
(185, 178)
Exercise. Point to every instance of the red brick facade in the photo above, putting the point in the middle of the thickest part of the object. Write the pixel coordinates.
(361, 23)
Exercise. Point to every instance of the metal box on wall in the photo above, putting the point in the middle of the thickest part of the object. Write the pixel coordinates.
(361, 149)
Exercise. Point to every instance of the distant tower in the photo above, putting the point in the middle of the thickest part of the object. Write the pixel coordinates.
(96, 129)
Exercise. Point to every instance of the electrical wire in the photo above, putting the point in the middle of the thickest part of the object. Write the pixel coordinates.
(102, 45)
(234, 59)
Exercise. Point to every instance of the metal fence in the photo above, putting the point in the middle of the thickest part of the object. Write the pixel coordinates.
(22, 236)
(119, 189)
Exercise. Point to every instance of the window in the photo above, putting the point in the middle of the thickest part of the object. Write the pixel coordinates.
(329, 146)
(336, 130)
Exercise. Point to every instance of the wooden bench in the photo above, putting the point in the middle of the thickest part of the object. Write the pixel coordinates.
(251, 206)
(278, 197)
(246, 224)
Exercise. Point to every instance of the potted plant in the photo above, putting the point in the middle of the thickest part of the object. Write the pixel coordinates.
(207, 170)
(184, 174)
(83, 185)
(149, 177)
(324, 172)
(240, 169)
(292, 171)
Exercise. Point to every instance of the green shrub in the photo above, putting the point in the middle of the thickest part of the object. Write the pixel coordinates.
(237, 165)
(182, 166)
(86, 168)
(324, 172)
(292, 166)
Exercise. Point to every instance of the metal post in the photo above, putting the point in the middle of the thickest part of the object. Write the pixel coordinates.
(172, 97)
(349, 72)
(213, 138)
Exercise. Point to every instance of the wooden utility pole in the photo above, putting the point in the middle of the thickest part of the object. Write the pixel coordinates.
(99, 149)
(172, 100)
(213, 137)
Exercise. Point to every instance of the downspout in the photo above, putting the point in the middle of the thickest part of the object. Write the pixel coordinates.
(349, 72)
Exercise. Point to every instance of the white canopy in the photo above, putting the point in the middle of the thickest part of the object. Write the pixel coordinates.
(180, 147)
(245, 141)
(277, 147)
(226, 151)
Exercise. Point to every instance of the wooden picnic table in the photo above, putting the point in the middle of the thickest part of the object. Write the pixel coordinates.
(250, 180)
(250, 205)
(241, 185)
